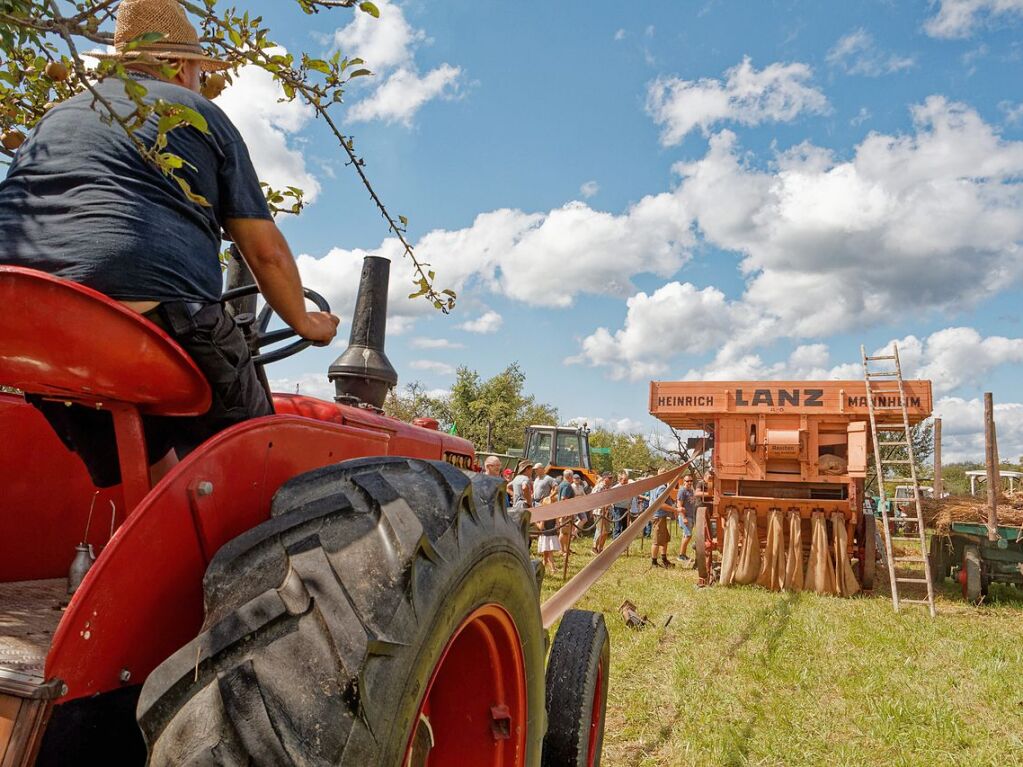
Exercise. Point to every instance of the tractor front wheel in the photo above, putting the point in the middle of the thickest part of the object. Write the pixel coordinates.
(382, 616)
(577, 676)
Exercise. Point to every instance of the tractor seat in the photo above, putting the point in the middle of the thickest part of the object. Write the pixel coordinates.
(63, 340)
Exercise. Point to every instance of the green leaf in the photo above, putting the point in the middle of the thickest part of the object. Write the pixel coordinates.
(319, 65)
(194, 119)
(144, 39)
(369, 8)
(359, 73)
(404, 221)
(171, 160)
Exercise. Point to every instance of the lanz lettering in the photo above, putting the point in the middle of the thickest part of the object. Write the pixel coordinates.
(780, 397)
(700, 401)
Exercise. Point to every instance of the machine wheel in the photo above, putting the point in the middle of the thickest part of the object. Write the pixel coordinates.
(381, 616)
(577, 675)
(869, 563)
(974, 588)
(700, 548)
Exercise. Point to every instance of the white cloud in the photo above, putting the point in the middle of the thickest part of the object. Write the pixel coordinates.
(252, 103)
(861, 117)
(776, 93)
(962, 429)
(433, 366)
(959, 18)
(382, 43)
(617, 425)
(309, 384)
(402, 94)
(1013, 112)
(911, 222)
(676, 319)
(589, 189)
(490, 322)
(857, 54)
(434, 343)
(388, 45)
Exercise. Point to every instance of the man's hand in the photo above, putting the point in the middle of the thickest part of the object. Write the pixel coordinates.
(266, 252)
(319, 327)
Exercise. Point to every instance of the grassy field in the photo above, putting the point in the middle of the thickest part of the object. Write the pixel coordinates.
(742, 676)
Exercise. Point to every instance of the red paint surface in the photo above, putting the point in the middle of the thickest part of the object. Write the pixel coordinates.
(67, 341)
(482, 670)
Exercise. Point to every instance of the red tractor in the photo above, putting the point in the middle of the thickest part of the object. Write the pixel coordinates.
(323, 586)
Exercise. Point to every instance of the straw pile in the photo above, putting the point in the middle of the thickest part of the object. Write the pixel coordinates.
(940, 514)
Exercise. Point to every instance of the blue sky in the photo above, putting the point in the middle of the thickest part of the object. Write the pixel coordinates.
(673, 190)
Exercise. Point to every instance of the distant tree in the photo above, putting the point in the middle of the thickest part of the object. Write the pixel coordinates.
(628, 451)
(412, 401)
(922, 437)
(492, 413)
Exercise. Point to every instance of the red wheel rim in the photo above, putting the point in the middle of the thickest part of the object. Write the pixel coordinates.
(475, 702)
(596, 716)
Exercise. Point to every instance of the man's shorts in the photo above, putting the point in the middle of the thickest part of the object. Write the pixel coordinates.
(662, 535)
(210, 337)
(687, 522)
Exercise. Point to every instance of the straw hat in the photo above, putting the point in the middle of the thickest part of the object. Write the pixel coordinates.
(137, 17)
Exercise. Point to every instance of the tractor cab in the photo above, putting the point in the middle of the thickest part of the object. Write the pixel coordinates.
(563, 447)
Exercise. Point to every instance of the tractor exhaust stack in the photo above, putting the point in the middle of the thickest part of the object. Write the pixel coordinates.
(363, 375)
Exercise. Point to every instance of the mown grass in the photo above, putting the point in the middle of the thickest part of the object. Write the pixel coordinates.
(742, 676)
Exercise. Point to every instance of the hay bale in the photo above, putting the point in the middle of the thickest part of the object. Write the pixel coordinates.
(940, 514)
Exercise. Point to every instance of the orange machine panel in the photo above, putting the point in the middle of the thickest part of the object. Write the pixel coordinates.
(694, 404)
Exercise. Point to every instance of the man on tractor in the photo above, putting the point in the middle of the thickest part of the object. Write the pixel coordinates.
(82, 203)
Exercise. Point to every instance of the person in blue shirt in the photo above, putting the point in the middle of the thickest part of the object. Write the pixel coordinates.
(688, 499)
(566, 491)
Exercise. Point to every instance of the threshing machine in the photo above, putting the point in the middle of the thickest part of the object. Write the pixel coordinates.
(795, 449)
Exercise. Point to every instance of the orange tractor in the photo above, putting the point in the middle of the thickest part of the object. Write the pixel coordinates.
(789, 463)
(325, 585)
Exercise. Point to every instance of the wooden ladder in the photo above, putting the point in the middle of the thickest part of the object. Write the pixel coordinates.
(882, 386)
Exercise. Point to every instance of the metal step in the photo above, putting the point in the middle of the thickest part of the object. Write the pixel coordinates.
(911, 580)
(920, 560)
(883, 373)
(881, 357)
(901, 442)
(915, 602)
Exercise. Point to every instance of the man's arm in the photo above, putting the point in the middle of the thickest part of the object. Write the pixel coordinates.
(267, 253)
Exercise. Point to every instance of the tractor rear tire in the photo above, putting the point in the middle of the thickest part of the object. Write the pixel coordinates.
(700, 549)
(379, 587)
(577, 678)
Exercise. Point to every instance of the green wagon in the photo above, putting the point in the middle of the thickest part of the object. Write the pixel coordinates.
(967, 554)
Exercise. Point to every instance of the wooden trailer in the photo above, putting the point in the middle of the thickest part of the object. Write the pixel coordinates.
(798, 448)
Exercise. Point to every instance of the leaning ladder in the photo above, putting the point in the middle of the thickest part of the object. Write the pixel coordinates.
(884, 420)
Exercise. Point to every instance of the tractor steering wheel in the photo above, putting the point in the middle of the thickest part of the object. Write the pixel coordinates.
(255, 327)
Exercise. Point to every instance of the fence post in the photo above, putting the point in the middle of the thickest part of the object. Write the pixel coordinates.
(994, 481)
(937, 458)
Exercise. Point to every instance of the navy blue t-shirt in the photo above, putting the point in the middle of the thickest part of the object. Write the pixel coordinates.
(80, 202)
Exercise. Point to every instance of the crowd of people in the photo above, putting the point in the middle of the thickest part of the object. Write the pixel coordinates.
(531, 485)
